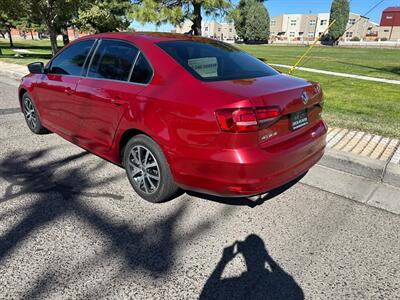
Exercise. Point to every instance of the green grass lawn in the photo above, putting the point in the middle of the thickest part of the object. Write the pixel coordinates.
(349, 103)
(41, 51)
(382, 63)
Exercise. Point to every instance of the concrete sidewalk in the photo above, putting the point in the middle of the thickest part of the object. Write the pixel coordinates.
(363, 154)
(361, 77)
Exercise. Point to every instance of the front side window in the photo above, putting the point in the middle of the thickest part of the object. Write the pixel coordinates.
(215, 61)
(71, 60)
(113, 60)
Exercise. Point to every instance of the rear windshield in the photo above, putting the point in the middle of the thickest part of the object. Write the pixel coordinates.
(215, 61)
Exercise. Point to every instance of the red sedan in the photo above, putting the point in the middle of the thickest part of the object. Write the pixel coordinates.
(178, 111)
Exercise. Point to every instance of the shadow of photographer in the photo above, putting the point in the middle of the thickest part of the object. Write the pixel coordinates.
(258, 282)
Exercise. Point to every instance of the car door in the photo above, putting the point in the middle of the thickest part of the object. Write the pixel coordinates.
(106, 92)
(57, 87)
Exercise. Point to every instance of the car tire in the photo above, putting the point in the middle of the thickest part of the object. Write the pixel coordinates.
(31, 115)
(148, 170)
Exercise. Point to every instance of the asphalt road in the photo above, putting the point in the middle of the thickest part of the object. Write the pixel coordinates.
(71, 227)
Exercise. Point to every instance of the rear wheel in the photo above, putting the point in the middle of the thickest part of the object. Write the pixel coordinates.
(31, 115)
(148, 170)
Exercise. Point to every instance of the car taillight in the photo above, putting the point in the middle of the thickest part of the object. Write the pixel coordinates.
(247, 119)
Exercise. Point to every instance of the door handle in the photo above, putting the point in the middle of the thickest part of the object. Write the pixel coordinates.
(68, 91)
(117, 101)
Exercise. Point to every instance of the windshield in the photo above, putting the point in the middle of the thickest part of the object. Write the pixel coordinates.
(214, 61)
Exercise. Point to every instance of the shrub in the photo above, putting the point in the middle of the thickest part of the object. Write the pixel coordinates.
(355, 39)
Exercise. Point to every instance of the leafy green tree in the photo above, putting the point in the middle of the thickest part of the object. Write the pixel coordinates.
(252, 22)
(54, 14)
(103, 16)
(10, 12)
(177, 11)
(340, 12)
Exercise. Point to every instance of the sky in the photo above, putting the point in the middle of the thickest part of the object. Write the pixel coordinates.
(278, 7)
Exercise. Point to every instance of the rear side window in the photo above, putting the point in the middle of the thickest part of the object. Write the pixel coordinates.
(71, 60)
(214, 61)
(142, 72)
(113, 60)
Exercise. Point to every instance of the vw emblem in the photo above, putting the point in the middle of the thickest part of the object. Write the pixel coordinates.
(304, 97)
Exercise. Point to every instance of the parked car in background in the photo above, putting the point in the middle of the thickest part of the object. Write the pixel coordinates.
(178, 111)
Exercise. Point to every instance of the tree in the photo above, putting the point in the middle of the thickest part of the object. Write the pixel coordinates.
(55, 15)
(251, 19)
(177, 11)
(10, 12)
(28, 25)
(340, 11)
(103, 16)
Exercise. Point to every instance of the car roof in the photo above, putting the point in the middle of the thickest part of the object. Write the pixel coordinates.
(151, 37)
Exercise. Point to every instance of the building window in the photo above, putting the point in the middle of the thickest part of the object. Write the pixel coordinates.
(292, 34)
(313, 22)
(219, 29)
(349, 34)
(230, 29)
(273, 22)
(324, 22)
(389, 17)
(293, 22)
(352, 21)
(206, 29)
(311, 34)
(386, 30)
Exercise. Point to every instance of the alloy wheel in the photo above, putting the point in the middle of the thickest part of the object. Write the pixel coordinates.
(30, 113)
(144, 169)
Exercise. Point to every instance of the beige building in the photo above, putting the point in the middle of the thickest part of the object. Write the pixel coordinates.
(391, 33)
(221, 31)
(310, 26)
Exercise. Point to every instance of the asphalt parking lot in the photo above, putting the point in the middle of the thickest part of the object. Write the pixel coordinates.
(71, 227)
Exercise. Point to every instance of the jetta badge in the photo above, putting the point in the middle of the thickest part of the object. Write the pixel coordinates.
(304, 97)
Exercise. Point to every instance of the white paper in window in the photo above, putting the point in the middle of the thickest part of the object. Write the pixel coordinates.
(204, 66)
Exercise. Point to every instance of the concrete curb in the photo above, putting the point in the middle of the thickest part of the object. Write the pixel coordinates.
(357, 188)
(392, 175)
(370, 168)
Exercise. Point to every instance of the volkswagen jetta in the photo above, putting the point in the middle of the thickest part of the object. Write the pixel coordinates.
(178, 111)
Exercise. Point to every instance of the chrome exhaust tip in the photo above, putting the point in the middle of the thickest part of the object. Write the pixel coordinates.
(254, 198)
(257, 197)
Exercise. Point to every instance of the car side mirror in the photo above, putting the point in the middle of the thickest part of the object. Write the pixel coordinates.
(36, 68)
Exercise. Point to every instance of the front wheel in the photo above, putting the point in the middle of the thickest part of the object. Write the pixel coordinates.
(148, 170)
(31, 115)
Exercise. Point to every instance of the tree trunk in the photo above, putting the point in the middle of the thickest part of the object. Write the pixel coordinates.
(32, 35)
(53, 40)
(10, 37)
(196, 27)
(2, 35)
(64, 33)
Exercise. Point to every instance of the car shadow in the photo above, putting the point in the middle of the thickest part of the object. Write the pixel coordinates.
(242, 201)
(264, 278)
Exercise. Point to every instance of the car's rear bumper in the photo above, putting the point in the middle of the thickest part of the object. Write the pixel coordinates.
(252, 171)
